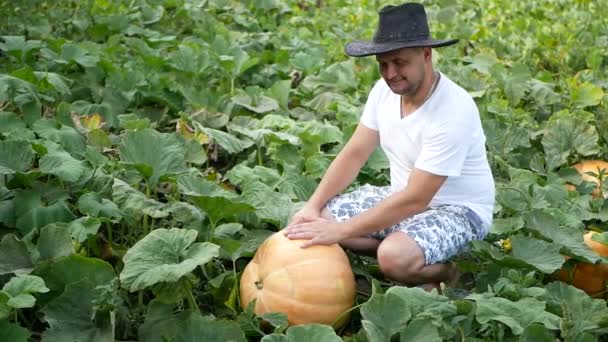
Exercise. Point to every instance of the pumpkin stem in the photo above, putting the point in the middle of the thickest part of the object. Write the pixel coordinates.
(259, 285)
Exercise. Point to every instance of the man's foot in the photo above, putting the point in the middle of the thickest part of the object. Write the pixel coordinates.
(451, 281)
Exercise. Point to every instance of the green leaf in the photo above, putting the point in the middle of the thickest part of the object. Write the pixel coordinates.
(134, 203)
(213, 199)
(63, 165)
(580, 313)
(537, 333)
(12, 332)
(67, 137)
(228, 142)
(542, 255)
(549, 227)
(10, 121)
(280, 92)
(14, 256)
(55, 242)
(91, 203)
(20, 289)
(507, 225)
(585, 94)
(15, 156)
(256, 103)
(148, 149)
(164, 255)
(41, 216)
(72, 317)
(83, 227)
(60, 272)
(75, 53)
(418, 330)
(566, 136)
(312, 332)
(162, 325)
(387, 312)
(516, 315)
(269, 205)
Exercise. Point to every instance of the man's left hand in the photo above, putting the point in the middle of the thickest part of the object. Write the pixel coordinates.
(319, 232)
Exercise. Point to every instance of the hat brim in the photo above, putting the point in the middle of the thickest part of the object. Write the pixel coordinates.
(359, 48)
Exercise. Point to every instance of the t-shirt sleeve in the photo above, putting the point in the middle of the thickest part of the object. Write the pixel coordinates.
(445, 147)
(369, 117)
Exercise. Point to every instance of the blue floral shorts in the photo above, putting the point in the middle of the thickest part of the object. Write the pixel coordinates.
(442, 232)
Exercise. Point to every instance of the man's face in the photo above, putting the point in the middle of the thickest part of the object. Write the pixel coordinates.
(403, 70)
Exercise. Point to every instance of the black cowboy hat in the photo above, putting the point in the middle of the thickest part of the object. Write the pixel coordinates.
(398, 27)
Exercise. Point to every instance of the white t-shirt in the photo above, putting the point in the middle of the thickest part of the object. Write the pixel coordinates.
(444, 136)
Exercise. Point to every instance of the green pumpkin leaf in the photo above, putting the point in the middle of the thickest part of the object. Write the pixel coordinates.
(213, 199)
(579, 312)
(72, 317)
(420, 329)
(91, 203)
(20, 289)
(164, 255)
(13, 332)
(14, 256)
(163, 325)
(15, 156)
(516, 315)
(134, 203)
(228, 142)
(585, 94)
(153, 154)
(566, 136)
(54, 242)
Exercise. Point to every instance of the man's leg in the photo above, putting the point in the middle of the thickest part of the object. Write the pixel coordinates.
(401, 259)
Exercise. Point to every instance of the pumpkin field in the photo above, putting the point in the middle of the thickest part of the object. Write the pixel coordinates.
(149, 147)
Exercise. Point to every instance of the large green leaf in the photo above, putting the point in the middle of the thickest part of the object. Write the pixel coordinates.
(54, 242)
(580, 313)
(305, 332)
(549, 227)
(15, 156)
(60, 163)
(225, 140)
(135, 203)
(418, 330)
(41, 216)
(153, 154)
(538, 253)
(13, 332)
(269, 205)
(67, 270)
(91, 203)
(14, 256)
(67, 137)
(213, 199)
(72, 316)
(388, 313)
(566, 136)
(164, 255)
(162, 325)
(516, 315)
(20, 289)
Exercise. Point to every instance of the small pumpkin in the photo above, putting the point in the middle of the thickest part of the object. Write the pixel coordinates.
(310, 285)
(591, 278)
(590, 166)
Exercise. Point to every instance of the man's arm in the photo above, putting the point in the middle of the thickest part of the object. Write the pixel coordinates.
(346, 166)
(419, 192)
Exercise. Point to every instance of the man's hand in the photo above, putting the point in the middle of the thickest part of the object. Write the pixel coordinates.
(318, 232)
(305, 214)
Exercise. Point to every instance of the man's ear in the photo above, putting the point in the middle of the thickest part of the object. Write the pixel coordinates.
(428, 54)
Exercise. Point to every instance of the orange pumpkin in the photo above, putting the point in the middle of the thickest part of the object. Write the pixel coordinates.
(591, 278)
(310, 285)
(590, 166)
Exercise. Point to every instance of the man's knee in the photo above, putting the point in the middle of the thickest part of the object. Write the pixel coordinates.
(400, 258)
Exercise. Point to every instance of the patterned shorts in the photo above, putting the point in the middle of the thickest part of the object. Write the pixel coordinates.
(442, 232)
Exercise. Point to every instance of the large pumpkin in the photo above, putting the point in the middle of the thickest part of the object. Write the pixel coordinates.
(590, 166)
(591, 278)
(310, 285)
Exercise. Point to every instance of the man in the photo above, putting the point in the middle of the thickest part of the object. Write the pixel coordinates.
(442, 190)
